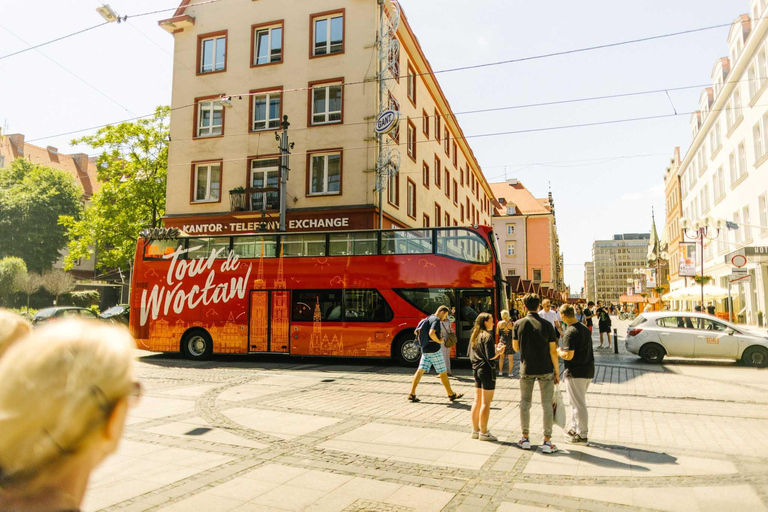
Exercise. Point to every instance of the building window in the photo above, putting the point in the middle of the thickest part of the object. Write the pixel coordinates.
(455, 155)
(210, 118)
(734, 172)
(267, 109)
(537, 275)
(455, 192)
(762, 205)
(327, 33)
(425, 123)
(212, 52)
(267, 44)
(463, 214)
(510, 229)
(742, 159)
(746, 219)
(425, 221)
(411, 84)
(207, 177)
(425, 174)
(411, 140)
(437, 126)
(511, 272)
(757, 140)
(393, 188)
(438, 213)
(447, 219)
(737, 232)
(411, 193)
(265, 174)
(327, 103)
(447, 142)
(511, 248)
(737, 104)
(437, 172)
(393, 58)
(324, 174)
(752, 82)
(394, 105)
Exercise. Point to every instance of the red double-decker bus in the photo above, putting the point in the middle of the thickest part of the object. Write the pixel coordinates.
(351, 294)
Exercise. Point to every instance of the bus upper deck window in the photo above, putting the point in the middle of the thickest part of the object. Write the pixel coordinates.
(255, 246)
(406, 242)
(303, 245)
(464, 245)
(353, 244)
(157, 249)
(202, 247)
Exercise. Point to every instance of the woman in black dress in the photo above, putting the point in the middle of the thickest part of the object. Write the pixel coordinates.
(482, 353)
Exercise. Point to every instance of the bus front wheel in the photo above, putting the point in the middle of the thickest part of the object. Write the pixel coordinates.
(407, 350)
(197, 345)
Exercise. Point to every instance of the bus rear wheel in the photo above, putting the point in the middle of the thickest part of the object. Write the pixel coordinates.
(197, 345)
(407, 350)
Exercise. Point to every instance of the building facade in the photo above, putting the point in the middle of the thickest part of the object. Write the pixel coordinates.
(614, 262)
(527, 231)
(78, 165)
(239, 68)
(674, 213)
(589, 281)
(723, 175)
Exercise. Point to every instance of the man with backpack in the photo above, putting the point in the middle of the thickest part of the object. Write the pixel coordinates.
(428, 334)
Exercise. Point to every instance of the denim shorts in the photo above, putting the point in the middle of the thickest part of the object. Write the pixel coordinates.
(435, 359)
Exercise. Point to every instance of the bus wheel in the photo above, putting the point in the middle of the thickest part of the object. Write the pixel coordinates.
(197, 345)
(407, 350)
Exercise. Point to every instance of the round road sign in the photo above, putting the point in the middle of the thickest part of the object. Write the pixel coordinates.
(739, 260)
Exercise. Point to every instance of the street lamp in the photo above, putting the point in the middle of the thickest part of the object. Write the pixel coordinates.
(699, 230)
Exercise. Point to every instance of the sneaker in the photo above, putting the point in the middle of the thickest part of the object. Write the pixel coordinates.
(475, 434)
(548, 447)
(524, 443)
(571, 432)
(576, 439)
(487, 436)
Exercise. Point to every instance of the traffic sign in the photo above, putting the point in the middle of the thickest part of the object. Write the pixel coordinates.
(739, 271)
(739, 260)
(739, 278)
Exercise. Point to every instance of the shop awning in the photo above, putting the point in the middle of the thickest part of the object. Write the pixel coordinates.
(514, 283)
(632, 299)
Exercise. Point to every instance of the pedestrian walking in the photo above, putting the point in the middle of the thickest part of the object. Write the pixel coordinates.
(430, 341)
(603, 323)
(579, 360)
(63, 404)
(536, 341)
(711, 309)
(445, 332)
(504, 334)
(551, 315)
(579, 314)
(589, 314)
(482, 353)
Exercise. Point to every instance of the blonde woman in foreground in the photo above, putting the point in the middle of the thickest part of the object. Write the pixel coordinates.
(482, 353)
(12, 328)
(63, 401)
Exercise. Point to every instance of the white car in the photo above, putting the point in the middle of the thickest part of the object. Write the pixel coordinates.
(657, 334)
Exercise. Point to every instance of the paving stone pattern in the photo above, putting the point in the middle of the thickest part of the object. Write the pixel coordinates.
(244, 434)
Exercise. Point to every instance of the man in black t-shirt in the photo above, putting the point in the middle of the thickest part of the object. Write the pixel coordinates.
(430, 340)
(588, 314)
(536, 340)
(579, 360)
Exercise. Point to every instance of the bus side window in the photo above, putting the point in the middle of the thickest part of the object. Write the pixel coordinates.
(255, 246)
(353, 244)
(156, 249)
(406, 242)
(202, 247)
(310, 304)
(366, 306)
(303, 245)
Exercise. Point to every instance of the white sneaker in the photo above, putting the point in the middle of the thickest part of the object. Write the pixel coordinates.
(487, 436)
(524, 443)
(548, 447)
(475, 434)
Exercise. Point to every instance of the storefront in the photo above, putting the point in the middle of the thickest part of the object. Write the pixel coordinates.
(749, 295)
(341, 219)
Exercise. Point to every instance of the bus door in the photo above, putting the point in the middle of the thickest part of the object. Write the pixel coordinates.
(269, 326)
(471, 303)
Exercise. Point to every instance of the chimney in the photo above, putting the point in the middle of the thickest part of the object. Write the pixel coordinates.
(17, 144)
(81, 161)
(53, 153)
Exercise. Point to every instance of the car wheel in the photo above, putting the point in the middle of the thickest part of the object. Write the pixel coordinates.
(652, 353)
(197, 345)
(407, 350)
(755, 356)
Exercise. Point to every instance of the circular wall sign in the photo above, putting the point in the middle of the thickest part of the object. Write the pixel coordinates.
(739, 260)
(387, 121)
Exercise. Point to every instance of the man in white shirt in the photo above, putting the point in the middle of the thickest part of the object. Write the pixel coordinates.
(551, 315)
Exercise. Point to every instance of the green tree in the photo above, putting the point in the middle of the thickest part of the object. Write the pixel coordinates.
(11, 270)
(32, 197)
(132, 173)
(28, 283)
(58, 282)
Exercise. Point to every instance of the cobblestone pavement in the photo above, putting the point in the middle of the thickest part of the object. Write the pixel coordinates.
(260, 434)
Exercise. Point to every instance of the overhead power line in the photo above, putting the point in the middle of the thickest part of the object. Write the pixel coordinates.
(52, 40)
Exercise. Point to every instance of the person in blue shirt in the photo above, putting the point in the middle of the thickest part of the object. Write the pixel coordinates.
(429, 338)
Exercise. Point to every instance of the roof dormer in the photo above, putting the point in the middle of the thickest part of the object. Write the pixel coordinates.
(720, 74)
(706, 99)
(740, 29)
(695, 123)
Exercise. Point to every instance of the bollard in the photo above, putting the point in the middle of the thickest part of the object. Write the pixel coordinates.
(615, 341)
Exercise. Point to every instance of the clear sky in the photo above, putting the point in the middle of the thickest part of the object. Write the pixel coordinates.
(597, 193)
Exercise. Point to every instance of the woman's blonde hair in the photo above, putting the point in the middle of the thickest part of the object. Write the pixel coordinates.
(479, 327)
(505, 315)
(12, 328)
(58, 387)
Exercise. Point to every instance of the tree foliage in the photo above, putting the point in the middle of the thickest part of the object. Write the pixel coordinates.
(132, 172)
(58, 282)
(28, 283)
(11, 270)
(32, 197)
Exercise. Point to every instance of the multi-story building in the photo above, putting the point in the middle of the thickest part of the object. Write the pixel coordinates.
(723, 174)
(527, 232)
(82, 169)
(589, 281)
(614, 262)
(672, 229)
(240, 67)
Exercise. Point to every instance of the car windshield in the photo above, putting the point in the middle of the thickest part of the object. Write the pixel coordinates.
(45, 313)
(640, 319)
(114, 310)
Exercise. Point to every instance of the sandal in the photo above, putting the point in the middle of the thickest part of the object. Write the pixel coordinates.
(413, 398)
(455, 396)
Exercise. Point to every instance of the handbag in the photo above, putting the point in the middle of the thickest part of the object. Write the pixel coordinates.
(558, 407)
(452, 340)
